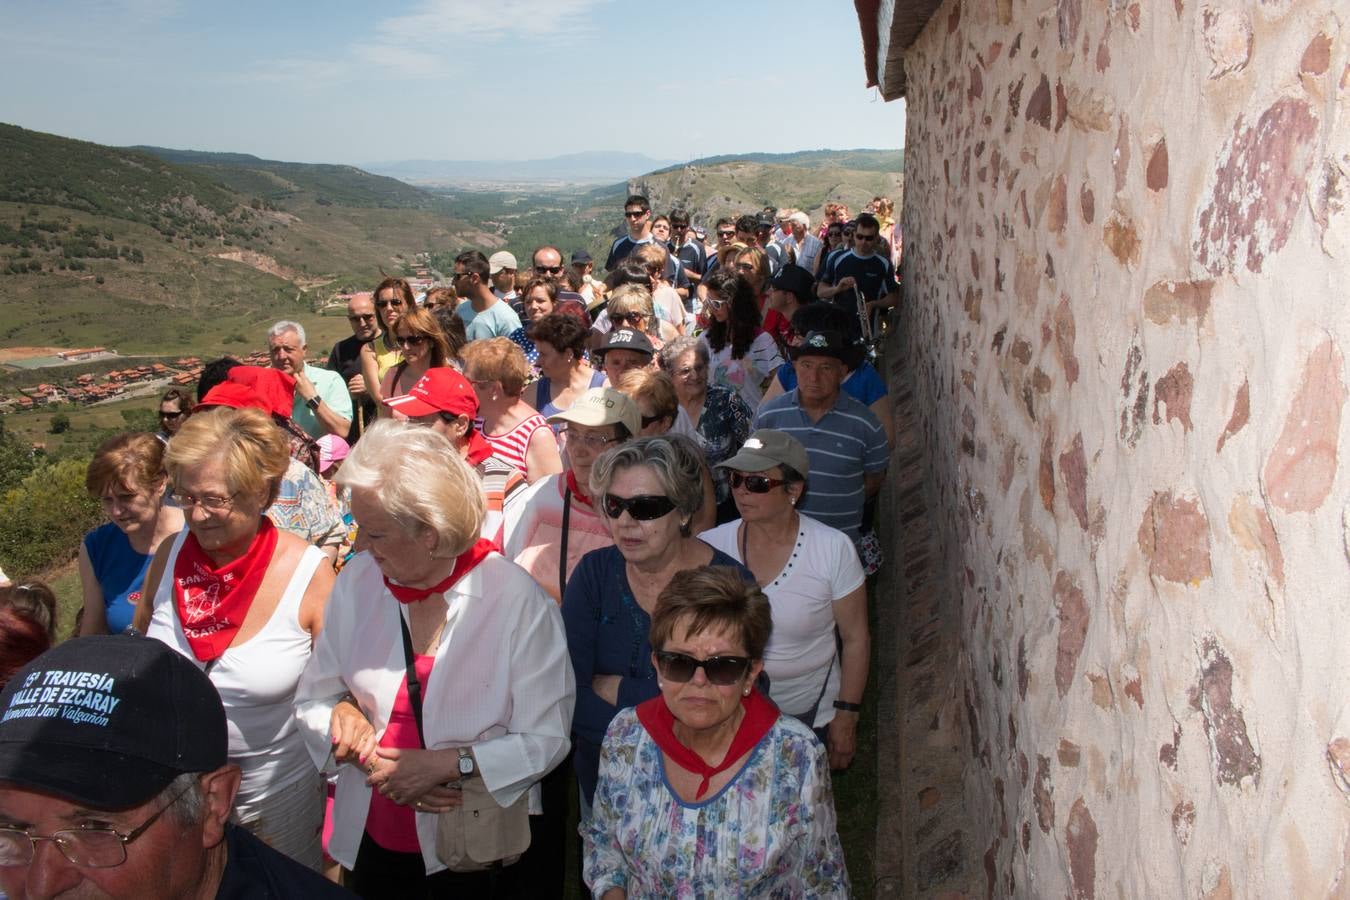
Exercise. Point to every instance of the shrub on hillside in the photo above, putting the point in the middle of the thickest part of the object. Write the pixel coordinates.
(43, 519)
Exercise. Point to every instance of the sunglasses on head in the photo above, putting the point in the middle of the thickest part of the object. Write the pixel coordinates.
(755, 484)
(643, 508)
(721, 670)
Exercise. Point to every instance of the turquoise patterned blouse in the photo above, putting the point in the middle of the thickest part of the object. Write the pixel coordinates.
(770, 832)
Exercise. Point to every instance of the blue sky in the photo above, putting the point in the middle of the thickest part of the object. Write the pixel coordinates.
(354, 82)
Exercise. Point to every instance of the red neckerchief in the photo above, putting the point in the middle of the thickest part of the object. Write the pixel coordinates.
(576, 488)
(211, 601)
(478, 450)
(463, 563)
(659, 721)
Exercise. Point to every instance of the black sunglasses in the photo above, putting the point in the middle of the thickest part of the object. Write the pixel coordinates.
(412, 340)
(364, 317)
(549, 270)
(643, 508)
(634, 213)
(721, 670)
(755, 484)
(651, 420)
(170, 415)
(383, 303)
(726, 234)
(630, 318)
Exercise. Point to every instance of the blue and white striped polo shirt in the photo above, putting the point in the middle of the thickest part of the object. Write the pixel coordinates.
(845, 445)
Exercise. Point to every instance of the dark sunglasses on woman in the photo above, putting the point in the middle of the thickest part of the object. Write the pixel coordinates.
(755, 484)
(721, 670)
(643, 508)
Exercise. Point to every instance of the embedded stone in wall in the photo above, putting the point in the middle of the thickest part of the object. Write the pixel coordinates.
(1073, 626)
(1038, 106)
(1228, 38)
(1122, 239)
(1081, 836)
(1027, 281)
(1174, 389)
(1089, 110)
(1070, 16)
(1183, 821)
(1133, 416)
(1231, 751)
(1047, 473)
(1174, 537)
(1073, 467)
(1058, 212)
(1179, 301)
(1338, 757)
(1120, 158)
(1068, 753)
(1253, 531)
(1087, 203)
(1043, 795)
(1258, 186)
(1061, 105)
(1064, 336)
(1302, 466)
(1242, 411)
(1155, 173)
(1316, 56)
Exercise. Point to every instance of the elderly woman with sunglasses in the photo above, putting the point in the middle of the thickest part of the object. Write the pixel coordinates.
(706, 790)
(815, 582)
(648, 492)
(418, 336)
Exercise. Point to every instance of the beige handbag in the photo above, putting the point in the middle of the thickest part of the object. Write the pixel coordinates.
(480, 834)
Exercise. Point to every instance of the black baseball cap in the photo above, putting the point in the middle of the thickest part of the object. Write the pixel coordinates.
(627, 339)
(795, 280)
(580, 256)
(108, 721)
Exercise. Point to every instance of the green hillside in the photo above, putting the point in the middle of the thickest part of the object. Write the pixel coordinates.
(119, 247)
(277, 181)
(859, 160)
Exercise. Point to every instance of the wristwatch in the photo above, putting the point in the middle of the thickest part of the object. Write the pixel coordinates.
(313, 402)
(467, 769)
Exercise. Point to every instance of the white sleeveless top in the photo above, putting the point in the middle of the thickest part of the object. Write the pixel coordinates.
(256, 681)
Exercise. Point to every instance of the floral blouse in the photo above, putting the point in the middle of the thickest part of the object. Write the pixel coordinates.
(723, 425)
(770, 832)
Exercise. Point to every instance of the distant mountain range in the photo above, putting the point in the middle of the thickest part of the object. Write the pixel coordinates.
(592, 167)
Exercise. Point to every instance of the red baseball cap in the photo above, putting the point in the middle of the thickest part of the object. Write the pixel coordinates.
(442, 389)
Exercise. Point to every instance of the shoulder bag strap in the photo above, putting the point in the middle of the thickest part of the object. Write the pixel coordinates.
(414, 686)
(562, 544)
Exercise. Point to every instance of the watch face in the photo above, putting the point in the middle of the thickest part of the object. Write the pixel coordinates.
(465, 765)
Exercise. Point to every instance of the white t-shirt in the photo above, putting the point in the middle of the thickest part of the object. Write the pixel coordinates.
(745, 375)
(822, 569)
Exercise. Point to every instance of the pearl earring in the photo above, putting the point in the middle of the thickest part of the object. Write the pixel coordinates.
(746, 692)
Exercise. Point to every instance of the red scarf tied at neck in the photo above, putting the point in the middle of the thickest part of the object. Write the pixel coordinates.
(576, 488)
(212, 600)
(656, 717)
(463, 563)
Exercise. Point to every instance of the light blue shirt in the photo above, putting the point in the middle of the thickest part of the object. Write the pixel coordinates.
(333, 390)
(498, 320)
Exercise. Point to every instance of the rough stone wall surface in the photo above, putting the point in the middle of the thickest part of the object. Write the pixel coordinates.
(1125, 297)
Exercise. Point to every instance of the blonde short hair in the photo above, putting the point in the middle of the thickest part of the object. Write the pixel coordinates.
(420, 480)
(497, 359)
(651, 253)
(653, 388)
(254, 449)
(631, 298)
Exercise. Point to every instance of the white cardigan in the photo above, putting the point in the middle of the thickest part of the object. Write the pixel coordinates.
(502, 683)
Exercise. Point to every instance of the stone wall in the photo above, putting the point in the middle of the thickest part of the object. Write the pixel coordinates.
(1125, 296)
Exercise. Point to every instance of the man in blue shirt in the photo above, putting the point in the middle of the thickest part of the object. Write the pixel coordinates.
(484, 316)
(637, 214)
(862, 268)
(844, 440)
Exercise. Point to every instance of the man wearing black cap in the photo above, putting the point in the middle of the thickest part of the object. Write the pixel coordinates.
(843, 438)
(623, 350)
(114, 783)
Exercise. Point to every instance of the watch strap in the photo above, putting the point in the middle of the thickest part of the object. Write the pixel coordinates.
(847, 707)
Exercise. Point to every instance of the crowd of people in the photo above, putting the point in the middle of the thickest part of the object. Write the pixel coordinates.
(532, 529)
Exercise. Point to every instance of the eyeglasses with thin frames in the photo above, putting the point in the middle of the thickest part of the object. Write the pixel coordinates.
(211, 504)
(89, 848)
(590, 440)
